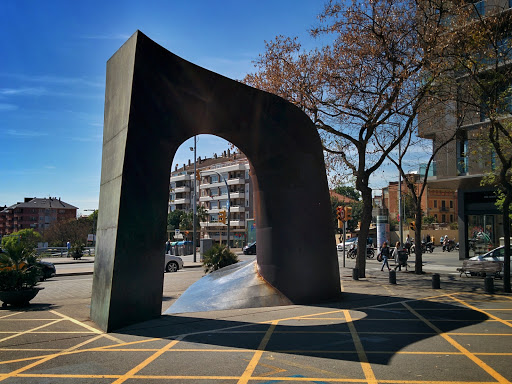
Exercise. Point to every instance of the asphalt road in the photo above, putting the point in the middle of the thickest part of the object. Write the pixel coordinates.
(405, 333)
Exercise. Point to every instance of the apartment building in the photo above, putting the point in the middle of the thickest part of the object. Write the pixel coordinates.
(217, 175)
(35, 213)
(440, 203)
(462, 164)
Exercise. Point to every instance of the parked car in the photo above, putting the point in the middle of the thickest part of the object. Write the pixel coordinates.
(347, 245)
(497, 254)
(249, 249)
(173, 263)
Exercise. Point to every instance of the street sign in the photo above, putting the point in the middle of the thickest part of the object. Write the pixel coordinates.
(176, 232)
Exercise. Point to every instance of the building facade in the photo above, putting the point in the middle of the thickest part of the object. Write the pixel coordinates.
(35, 213)
(215, 177)
(439, 203)
(462, 163)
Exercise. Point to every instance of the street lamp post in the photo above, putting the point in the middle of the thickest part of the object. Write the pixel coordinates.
(195, 203)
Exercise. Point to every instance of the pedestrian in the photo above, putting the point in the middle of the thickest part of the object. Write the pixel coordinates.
(68, 246)
(168, 246)
(384, 253)
(428, 238)
(408, 243)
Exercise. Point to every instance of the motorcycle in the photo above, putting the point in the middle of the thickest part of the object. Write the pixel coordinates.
(449, 245)
(352, 252)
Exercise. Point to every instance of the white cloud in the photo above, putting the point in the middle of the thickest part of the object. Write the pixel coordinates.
(23, 91)
(25, 133)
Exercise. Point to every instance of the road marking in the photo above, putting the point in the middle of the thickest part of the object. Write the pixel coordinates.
(246, 376)
(30, 330)
(467, 353)
(481, 311)
(128, 375)
(367, 368)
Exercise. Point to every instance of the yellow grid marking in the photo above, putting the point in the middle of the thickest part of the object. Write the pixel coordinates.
(367, 368)
(246, 376)
(468, 354)
(254, 378)
(145, 363)
(30, 330)
(496, 318)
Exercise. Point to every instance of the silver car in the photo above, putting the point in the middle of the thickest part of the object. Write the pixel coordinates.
(173, 263)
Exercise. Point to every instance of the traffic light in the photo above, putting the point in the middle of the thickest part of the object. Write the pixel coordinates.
(198, 176)
(222, 217)
(338, 213)
(348, 213)
(412, 226)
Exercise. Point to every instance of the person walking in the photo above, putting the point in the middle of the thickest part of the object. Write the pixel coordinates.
(398, 248)
(408, 244)
(384, 253)
(168, 246)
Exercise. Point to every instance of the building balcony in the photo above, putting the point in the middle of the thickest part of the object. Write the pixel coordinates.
(233, 209)
(217, 224)
(233, 195)
(236, 181)
(186, 177)
(181, 189)
(180, 201)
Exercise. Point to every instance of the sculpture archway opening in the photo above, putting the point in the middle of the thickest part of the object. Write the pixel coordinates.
(154, 101)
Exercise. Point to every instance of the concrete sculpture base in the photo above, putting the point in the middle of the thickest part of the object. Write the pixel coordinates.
(233, 287)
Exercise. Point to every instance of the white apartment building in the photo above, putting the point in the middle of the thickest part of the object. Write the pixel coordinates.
(217, 176)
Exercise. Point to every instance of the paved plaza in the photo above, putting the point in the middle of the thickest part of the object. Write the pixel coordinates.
(406, 333)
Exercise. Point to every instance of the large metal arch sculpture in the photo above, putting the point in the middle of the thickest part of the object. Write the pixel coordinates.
(154, 101)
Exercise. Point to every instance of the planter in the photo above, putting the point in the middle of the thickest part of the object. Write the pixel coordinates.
(18, 298)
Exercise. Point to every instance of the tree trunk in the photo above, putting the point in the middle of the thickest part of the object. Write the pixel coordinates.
(506, 233)
(418, 264)
(366, 219)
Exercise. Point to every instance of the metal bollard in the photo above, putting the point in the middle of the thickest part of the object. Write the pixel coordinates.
(392, 277)
(489, 284)
(436, 281)
(355, 273)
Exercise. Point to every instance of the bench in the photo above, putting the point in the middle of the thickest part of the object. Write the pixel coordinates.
(481, 268)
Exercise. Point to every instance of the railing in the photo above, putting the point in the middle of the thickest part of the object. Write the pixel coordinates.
(61, 251)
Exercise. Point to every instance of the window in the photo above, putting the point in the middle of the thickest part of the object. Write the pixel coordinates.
(451, 203)
(435, 203)
(462, 151)
(443, 218)
(435, 217)
(451, 218)
(443, 204)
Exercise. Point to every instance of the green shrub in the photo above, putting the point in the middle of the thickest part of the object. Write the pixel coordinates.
(218, 257)
(18, 267)
(77, 251)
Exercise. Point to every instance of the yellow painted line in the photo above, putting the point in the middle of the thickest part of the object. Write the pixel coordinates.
(246, 376)
(254, 378)
(477, 334)
(30, 330)
(75, 347)
(467, 353)
(59, 332)
(367, 368)
(481, 311)
(128, 375)
(12, 314)
(86, 326)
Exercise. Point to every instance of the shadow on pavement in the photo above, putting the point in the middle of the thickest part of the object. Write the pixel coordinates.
(383, 326)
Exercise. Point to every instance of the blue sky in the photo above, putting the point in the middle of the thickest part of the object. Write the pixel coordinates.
(52, 77)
